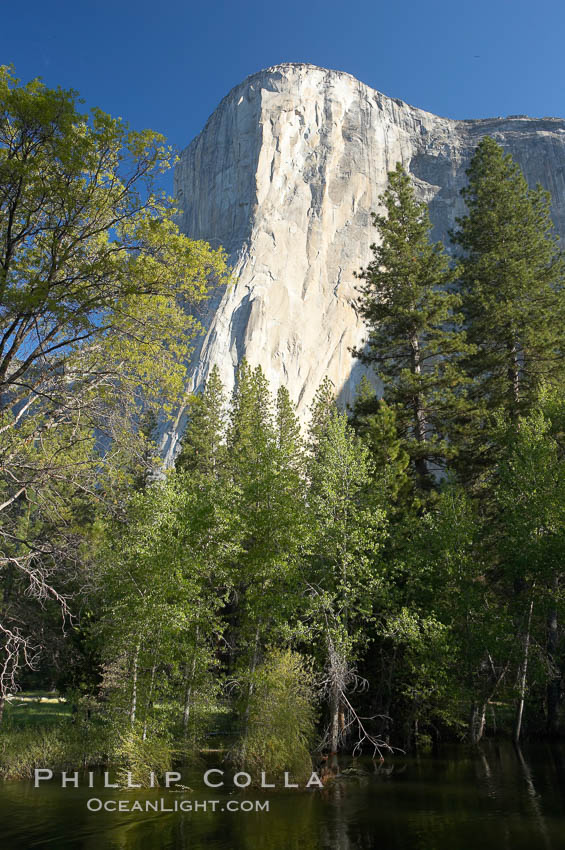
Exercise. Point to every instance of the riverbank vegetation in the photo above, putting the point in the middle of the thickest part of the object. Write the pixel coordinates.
(387, 577)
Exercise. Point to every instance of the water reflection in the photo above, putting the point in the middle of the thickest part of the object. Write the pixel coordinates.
(497, 797)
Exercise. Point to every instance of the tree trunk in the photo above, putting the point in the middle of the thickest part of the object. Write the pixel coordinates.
(514, 378)
(2, 704)
(190, 671)
(523, 675)
(133, 707)
(334, 718)
(554, 685)
(149, 699)
(478, 721)
(420, 426)
(341, 720)
(252, 668)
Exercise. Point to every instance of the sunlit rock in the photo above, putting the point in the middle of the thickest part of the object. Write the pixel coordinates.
(284, 175)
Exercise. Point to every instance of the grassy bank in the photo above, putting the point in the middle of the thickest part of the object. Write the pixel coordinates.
(31, 708)
(40, 730)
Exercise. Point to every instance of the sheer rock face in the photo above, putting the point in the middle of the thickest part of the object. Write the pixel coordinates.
(285, 175)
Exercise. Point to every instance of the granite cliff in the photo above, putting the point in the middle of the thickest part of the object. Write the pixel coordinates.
(284, 175)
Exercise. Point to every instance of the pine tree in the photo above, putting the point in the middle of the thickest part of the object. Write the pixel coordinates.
(270, 508)
(321, 412)
(287, 428)
(203, 445)
(411, 314)
(511, 276)
(375, 422)
(348, 531)
(206, 519)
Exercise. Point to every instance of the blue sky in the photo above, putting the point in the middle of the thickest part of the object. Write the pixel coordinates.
(167, 64)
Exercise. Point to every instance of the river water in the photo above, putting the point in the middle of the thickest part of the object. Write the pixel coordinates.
(492, 799)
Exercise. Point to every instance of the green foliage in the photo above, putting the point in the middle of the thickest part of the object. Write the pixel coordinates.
(281, 718)
(344, 575)
(348, 525)
(424, 674)
(375, 422)
(511, 276)
(411, 313)
(162, 592)
(96, 278)
(141, 757)
(97, 289)
(264, 451)
(529, 497)
(407, 601)
(203, 446)
(527, 529)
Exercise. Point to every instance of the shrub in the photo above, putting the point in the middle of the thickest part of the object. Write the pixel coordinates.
(281, 718)
(142, 757)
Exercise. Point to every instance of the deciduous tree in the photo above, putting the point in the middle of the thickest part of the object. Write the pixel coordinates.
(96, 289)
